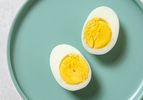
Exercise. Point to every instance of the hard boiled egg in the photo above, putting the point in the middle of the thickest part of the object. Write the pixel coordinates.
(100, 31)
(69, 67)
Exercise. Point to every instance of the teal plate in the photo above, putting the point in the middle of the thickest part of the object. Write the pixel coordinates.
(42, 24)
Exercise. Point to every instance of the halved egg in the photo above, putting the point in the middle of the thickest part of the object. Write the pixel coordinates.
(69, 67)
(100, 31)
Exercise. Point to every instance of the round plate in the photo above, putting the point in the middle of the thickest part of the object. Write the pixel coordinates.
(42, 24)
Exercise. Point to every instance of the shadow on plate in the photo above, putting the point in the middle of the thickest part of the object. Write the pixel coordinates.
(115, 55)
(92, 90)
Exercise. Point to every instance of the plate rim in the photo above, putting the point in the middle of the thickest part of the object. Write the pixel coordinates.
(12, 28)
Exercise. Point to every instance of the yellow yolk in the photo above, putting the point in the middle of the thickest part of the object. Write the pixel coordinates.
(73, 69)
(97, 33)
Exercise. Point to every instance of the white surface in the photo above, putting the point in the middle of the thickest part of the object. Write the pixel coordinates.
(8, 9)
(141, 1)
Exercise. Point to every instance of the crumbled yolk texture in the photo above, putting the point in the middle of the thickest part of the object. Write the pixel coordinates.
(73, 69)
(97, 33)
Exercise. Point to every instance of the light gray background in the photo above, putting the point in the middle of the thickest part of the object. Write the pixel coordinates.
(8, 10)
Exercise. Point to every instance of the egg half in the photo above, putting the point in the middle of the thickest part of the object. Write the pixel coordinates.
(100, 31)
(69, 67)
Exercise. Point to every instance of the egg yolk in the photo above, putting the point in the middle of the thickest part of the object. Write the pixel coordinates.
(73, 69)
(97, 33)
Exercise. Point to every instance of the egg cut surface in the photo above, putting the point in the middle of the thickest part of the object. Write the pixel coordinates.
(100, 30)
(69, 67)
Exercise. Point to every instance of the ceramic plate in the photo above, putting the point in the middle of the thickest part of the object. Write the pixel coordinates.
(42, 24)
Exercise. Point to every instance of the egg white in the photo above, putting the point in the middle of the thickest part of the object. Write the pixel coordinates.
(57, 54)
(111, 17)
